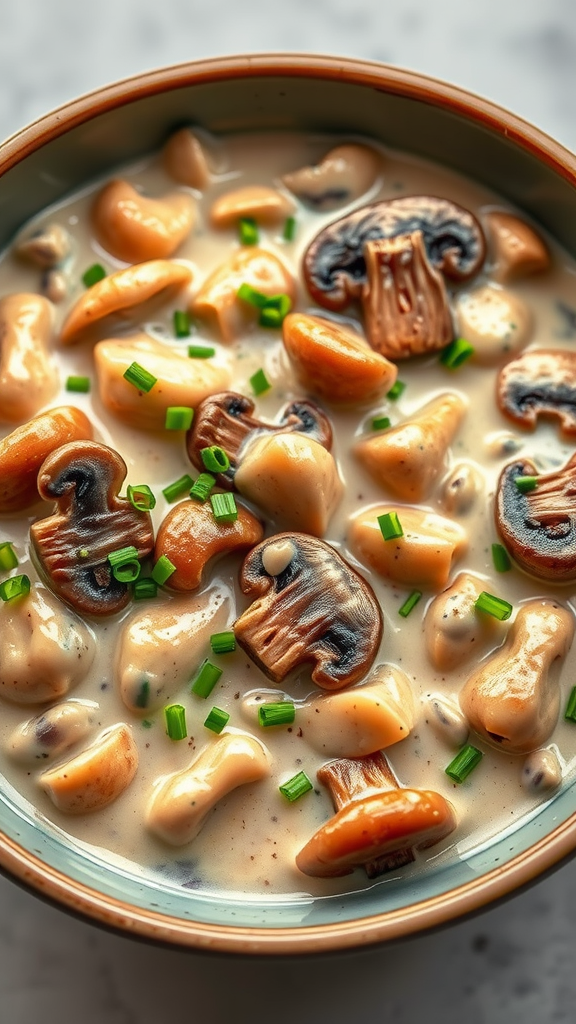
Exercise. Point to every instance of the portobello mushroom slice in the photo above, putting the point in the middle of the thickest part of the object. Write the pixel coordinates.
(540, 382)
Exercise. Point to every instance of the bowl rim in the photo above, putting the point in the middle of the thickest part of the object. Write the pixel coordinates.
(25, 867)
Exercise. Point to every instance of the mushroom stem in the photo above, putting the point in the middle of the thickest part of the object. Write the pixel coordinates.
(349, 778)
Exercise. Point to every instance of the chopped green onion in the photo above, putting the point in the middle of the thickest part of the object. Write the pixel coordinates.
(141, 497)
(8, 557)
(390, 526)
(16, 586)
(125, 565)
(248, 231)
(178, 417)
(296, 787)
(289, 229)
(216, 720)
(224, 507)
(223, 643)
(215, 459)
(175, 716)
(464, 763)
(456, 353)
(79, 384)
(279, 713)
(181, 323)
(275, 311)
(259, 382)
(145, 588)
(140, 378)
(570, 713)
(410, 603)
(94, 274)
(396, 390)
(143, 695)
(526, 483)
(494, 606)
(202, 486)
(252, 296)
(201, 351)
(500, 558)
(381, 423)
(163, 570)
(174, 491)
(206, 679)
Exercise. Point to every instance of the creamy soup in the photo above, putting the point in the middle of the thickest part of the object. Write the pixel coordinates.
(431, 669)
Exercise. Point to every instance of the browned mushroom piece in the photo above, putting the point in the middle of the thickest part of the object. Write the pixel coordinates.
(377, 824)
(227, 420)
(309, 606)
(517, 249)
(540, 382)
(538, 527)
(91, 521)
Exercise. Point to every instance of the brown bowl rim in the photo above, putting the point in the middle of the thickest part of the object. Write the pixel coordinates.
(46, 881)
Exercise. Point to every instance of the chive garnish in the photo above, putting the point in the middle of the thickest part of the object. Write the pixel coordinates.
(175, 490)
(396, 390)
(163, 570)
(8, 557)
(259, 382)
(175, 716)
(181, 322)
(500, 558)
(296, 787)
(464, 763)
(178, 417)
(526, 483)
(201, 351)
(205, 679)
(494, 606)
(94, 274)
(390, 526)
(289, 229)
(78, 384)
(248, 231)
(124, 564)
(252, 296)
(224, 507)
(202, 486)
(410, 603)
(381, 423)
(279, 713)
(275, 310)
(145, 588)
(456, 353)
(570, 713)
(216, 720)
(215, 459)
(223, 643)
(140, 378)
(140, 497)
(143, 695)
(16, 586)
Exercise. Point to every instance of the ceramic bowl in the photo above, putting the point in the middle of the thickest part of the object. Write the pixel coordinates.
(89, 137)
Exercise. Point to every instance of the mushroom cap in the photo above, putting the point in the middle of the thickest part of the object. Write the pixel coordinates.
(540, 382)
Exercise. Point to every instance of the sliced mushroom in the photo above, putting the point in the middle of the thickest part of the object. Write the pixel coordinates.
(181, 802)
(55, 285)
(97, 776)
(495, 321)
(334, 263)
(263, 204)
(218, 302)
(145, 675)
(377, 825)
(179, 381)
(446, 720)
(23, 451)
(541, 772)
(511, 700)
(334, 362)
(227, 420)
(121, 291)
(28, 376)
(461, 488)
(317, 609)
(46, 247)
(541, 382)
(134, 228)
(46, 649)
(91, 521)
(345, 173)
(190, 537)
(423, 556)
(453, 630)
(186, 161)
(408, 459)
(538, 527)
(52, 733)
(516, 247)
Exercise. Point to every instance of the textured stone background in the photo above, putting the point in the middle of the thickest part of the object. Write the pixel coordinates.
(512, 965)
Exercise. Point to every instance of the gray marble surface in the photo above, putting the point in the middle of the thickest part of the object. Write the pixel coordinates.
(513, 964)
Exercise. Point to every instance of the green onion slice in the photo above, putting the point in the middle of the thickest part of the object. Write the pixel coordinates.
(275, 311)
(216, 720)
(178, 417)
(456, 353)
(252, 296)
(410, 603)
(143, 695)
(381, 423)
(175, 490)
(526, 483)
(201, 351)
(124, 564)
(259, 382)
(16, 586)
(396, 390)
(140, 378)
(215, 459)
(94, 274)
(223, 643)
(163, 570)
(141, 497)
(390, 526)
(296, 787)
(78, 384)
(464, 763)
(289, 229)
(570, 713)
(202, 486)
(181, 322)
(8, 557)
(494, 606)
(145, 588)
(205, 679)
(501, 558)
(279, 713)
(175, 716)
(248, 231)
(224, 507)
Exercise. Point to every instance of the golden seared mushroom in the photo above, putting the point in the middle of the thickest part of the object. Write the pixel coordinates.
(315, 608)
(96, 776)
(145, 676)
(460, 489)
(377, 824)
(179, 381)
(121, 291)
(91, 522)
(495, 321)
(541, 772)
(227, 420)
(46, 247)
(422, 556)
(266, 205)
(345, 173)
(218, 301)
(446, 720)
(28, 376)
(409, 458)
(353, 722)
(23, 451)
(134, 228)
(512, 699)
(52, 733)
(334, 362)
(46, 649)
(453, 630)
(516, 247)
(540, 383)
(180, 803)
(186, 161)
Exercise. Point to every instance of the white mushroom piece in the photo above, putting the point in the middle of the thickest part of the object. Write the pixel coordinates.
(47, 248)
(181, 802)
(186, 160)
(96, 776)
(460, 488)
(495, 321)
(28, 375)
(134, 228)
(446, 720)
(516, 248)
(345, 173)
(50, 734)
(541, 771)
(265, 205)
(454, 631)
